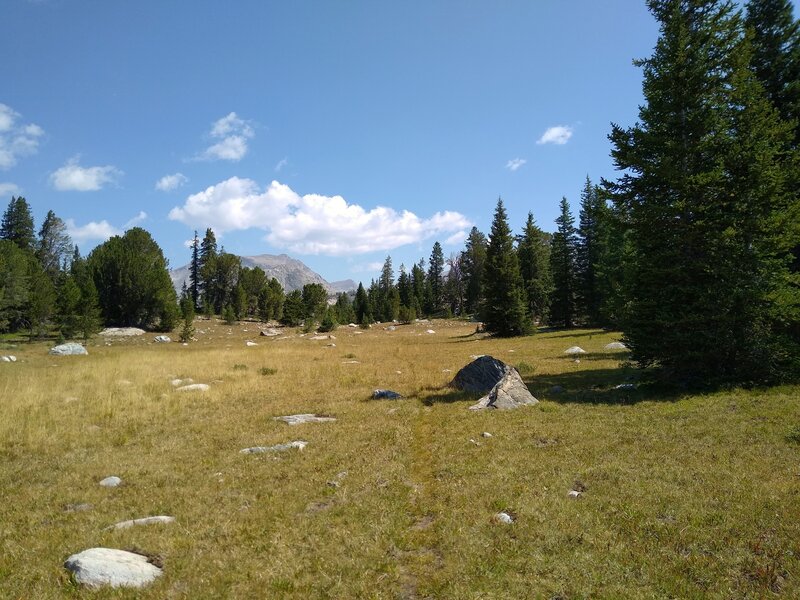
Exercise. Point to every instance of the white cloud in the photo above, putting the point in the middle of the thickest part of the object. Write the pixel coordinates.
(92, 231)
(73, 177)
(457, 238)
(367, 268)
(515, 163)
(310, 224)
(142, 216)
(281, 163)
(171, 182)
(9, 189)
(232, 133)
(16, 140)
(558, 134)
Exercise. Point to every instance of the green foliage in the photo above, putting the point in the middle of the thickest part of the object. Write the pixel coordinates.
(407, 314)
(267, 371)
(194, 272)
(293, 309)
(328, 322)
(504, 304)
(563, 269)
(434, 281)
(344, 309)
(14, 285)
(361, 306)
(17, 224)
(229, 315)
(315, 301)
(187, 314)
(703, 197)
(54, 246)
(132, 281)
(591, 254)
(472, 261)
(533, 250)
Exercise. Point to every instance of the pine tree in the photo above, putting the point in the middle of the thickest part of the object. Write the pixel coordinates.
(54, 246)
(207, 270)
(418, 286)
(562, 267)
(504, 305)
(705, 206)
(591, 251)
(473, 260)
(361, 306)
(17, 224)
(533, 250)
(435, 281)
(194, 272)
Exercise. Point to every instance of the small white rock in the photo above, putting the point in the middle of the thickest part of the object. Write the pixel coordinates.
(143, 521)
(299, 444)
(250, 344)
(162, 339)
(304, 418)
(98, 567)
(504, 517)
(112, 481)
(430, 331)
(574, 494)
(486, 434)
(194, 387)
(575, 350)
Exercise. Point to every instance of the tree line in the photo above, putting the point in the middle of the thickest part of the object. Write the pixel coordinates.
(693, 251)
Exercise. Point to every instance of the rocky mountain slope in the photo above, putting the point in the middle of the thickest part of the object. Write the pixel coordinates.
(292, 274)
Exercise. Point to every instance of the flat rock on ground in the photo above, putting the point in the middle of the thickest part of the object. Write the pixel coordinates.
(574, 350)
(502, 382)
(193, 387)
(385, 395)
(616, 346)
(143, 521)
(8, 358)
(299, 444)
(69, 349)
(304, 418)
(112, 481)
(97, 567)
(162, 339)
(121, 332)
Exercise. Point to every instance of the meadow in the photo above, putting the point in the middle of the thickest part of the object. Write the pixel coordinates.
(684, 495)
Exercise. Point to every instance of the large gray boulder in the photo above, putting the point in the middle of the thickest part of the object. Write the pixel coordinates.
(501, 383)
(97, 567)
(121, 332)
(68, 349)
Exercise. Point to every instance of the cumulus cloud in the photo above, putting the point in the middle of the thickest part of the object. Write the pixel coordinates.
(515, 163)
(93, 231)
(309, 224)
(558, 134)
(16, 139)
(456, 239)
(9, 189)
(367, 268)
(232, 133)
(171, 182)
(73, 177)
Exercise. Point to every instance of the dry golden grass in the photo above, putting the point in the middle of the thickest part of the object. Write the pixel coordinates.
(686, 497)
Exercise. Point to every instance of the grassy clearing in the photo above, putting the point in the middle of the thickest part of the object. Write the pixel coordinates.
(692, 497)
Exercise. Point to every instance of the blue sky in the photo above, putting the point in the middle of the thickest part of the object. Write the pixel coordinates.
(336, 132)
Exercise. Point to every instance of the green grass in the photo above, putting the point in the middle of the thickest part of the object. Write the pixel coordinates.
(687, 496)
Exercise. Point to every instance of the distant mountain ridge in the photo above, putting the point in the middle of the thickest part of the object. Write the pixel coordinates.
(291, 273)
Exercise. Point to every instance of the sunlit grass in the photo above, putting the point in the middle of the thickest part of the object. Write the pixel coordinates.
(686, 496)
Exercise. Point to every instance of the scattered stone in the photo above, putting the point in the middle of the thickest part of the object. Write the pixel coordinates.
(321, 337)
(447, 371)
(269, 332)
(121, 332)
(385, 395)
(304, 418)
(574, 494)
(350, 362)
(180, 382)
(502, 382)
(331, 345)
(98, 567)
(574, 350)
(8, 358)
(616, 346)
(358, 332)
(430, 331)
(162, 339)
(250, 344)
(299, 444)
(194, 387)
(557, 389)
(391, 411)
(112, 481)
(391, 328)
(79, 507)
(69, 349)
(143, 521)
(625, 386)
(352, 325)
(473, 441)
(504, 517)
(486, 434)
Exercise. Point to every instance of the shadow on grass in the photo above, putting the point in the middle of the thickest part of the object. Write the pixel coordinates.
(599, 386)
(445, 395)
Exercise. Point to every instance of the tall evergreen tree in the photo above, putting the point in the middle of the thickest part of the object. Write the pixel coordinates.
(194, 272)
(418, 286)
(563, 269)
(504, 307)
(17, 224)
(435, 281)
(54, 247)
(533, 250)
(361, 306)
(473, 261)
(591, 251)
(703, 193)
(207, 270)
